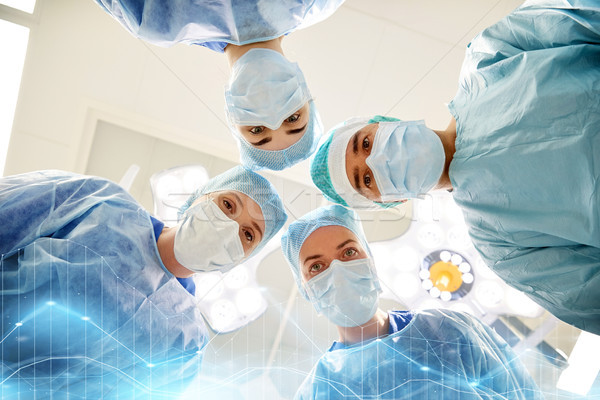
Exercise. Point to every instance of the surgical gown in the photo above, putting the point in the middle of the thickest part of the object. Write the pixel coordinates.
(440, 354)
(88, 308)
(216, 23)
(526, 171)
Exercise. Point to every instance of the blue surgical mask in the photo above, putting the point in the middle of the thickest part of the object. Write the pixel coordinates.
(347, 292)
(265, 88)
(407, 159)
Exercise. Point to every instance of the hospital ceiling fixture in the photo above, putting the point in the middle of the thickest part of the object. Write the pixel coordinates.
(227, 301)
(434, 265)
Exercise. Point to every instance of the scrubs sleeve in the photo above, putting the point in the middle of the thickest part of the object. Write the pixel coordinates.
(39, 204)
(564, 280)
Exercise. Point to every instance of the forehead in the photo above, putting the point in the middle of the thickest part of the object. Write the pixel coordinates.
(325, 240)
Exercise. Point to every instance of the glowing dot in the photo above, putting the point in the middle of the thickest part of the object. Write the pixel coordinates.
(19, 324)
(464, 267)
(435, 292)
(149, 365)
(445, 256)
(424, 368)
(85, 318)
(467, 278)
(474, 383)
(445, 295)
(456, 259)
(427, 284)
(51, 303)
(424, 274)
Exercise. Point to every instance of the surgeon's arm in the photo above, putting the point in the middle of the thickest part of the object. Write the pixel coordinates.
(564, 280)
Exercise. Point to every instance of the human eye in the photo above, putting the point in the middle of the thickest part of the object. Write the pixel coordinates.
(350, 252)
(248, 234)
(316, 268)
(367, 180)
(366, 143)
(292, 118)
(228, 206)
(255, 130)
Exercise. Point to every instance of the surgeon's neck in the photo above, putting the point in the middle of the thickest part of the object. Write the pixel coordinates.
(165, 244)
(448, 138)
(378, 325)
(234, 52)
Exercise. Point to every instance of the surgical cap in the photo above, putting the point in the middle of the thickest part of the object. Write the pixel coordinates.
(257, 188)
(255, 158)
(300, 230)
(328, 166)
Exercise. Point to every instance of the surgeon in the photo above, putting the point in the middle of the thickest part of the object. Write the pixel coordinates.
(269, 108)
(428, 354)
(521, 155)
(91, 307)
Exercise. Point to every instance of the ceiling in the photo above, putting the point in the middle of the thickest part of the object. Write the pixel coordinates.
(84, 74)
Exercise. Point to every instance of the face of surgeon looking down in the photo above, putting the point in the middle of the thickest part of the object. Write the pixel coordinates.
(360, 146)
(290, 131)
(235, 205)
(318, 251)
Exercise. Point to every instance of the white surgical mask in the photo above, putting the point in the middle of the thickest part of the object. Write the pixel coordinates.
(265, 88)
(208, 240)
(347, 292)
(407, 159)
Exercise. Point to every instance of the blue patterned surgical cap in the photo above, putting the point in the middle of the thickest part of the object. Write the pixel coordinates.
(257, 188)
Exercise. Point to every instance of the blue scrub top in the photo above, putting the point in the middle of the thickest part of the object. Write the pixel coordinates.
(526, 171)
(398, 320)
(439, 354)
(79, 259)
(216, 23)
(187, 283)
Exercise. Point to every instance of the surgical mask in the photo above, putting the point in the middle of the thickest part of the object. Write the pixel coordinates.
(265, 88)
(347, 292)
(208, 240)
(407, 160)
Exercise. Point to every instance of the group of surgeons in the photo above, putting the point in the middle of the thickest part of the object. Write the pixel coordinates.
(521, 157)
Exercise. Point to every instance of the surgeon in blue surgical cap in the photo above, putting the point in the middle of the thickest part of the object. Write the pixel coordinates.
(521, 155)
(95, 293)
(432, 354)
(269, 108)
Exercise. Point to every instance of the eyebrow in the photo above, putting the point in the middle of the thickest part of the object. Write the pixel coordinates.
(262, 141)
(355, 143)
(356, 179)
(312, 258)
(298, 130)
(345, 243)
(237, 198)
(258, 229)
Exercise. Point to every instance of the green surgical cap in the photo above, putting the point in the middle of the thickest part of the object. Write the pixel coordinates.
(382, 118)
(319, 165)
(319, 172)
